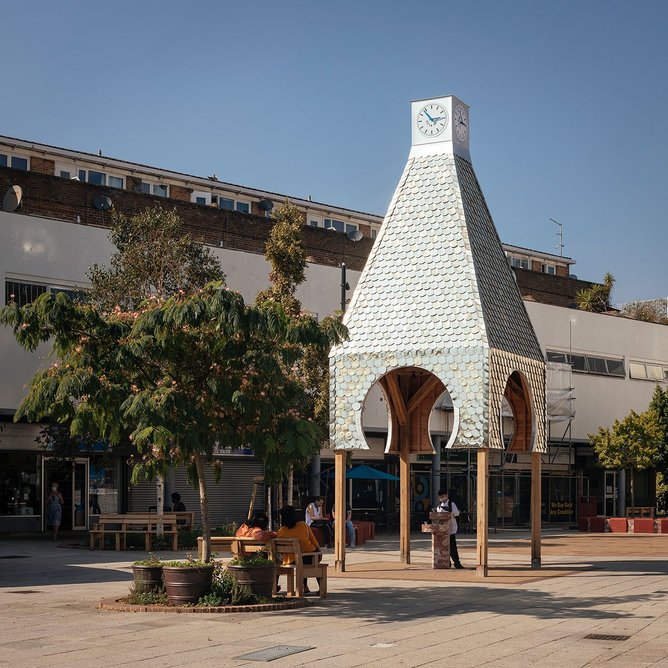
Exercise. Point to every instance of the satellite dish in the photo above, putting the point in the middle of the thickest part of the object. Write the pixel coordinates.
(102, 203)
(355, 235)
(266, 205)
(12, 199)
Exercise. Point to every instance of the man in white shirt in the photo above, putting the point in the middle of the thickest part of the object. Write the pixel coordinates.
(446, 505)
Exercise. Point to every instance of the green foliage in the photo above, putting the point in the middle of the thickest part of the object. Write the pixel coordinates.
(178, 378)
(152, 560)
(597, 298)
(188, 563)
(154, 257)
(632, 443)
(251, 560)
(225, 590)
(659, 406)
(147, 597)
(286, 254)
(645, 311)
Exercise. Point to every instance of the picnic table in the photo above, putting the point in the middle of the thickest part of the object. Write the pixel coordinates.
(121, 524)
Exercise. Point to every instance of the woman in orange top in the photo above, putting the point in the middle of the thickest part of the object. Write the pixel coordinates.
(256, 528)
(294, 528)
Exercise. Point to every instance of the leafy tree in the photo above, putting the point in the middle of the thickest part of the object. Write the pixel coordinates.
(286, 254)
(645, 311)
(154, 257)
(632, 443)
(659, 405)
(181, 376)
(597, 298)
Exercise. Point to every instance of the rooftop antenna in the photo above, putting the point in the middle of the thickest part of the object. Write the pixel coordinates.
(560, 236)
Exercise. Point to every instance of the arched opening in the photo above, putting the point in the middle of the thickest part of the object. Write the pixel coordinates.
(517, 399)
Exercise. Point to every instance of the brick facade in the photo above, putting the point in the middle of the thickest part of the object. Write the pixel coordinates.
(549, 289)
(42, 165)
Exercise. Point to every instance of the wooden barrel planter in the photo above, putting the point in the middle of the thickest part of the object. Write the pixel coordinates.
(187, 584)
(147, 578)
(260, 579)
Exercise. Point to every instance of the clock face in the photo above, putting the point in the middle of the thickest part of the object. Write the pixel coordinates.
(461, 122)
(432, 119)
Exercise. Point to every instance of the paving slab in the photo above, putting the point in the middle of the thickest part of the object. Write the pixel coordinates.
(378, 613)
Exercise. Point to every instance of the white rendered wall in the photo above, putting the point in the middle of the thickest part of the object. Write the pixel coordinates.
(53, 252)
(600, 400)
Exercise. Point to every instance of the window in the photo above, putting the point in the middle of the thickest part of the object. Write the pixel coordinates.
(226, 203)
(100, 178)
(374, 233)
(314, 223)
(550, 269)
(338, 225)
(65, 175)
(20, 483)
(201, 197)
(243, 207)
(157, 189)
(655, 371)
(13, 161)
(520, 262)
(594, 364)
(350, 227)
(21, 293)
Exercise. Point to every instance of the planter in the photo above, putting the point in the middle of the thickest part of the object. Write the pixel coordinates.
(187, 584)
(147, 578)
(260, 579)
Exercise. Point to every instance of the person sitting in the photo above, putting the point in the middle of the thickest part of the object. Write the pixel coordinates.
(291, 527)
(178, 507)
(315, 518)
(256, 528)
(350, 529)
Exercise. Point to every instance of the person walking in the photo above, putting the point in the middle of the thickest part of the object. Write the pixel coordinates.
(446, 505)
(54, 509)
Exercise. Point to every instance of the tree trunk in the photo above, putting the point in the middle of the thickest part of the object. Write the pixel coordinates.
(633, 496)
(291, 479)
(204, 506)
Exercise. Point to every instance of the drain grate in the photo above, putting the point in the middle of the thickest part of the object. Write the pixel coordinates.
(26, 591)
(605, 636)
(272, 653)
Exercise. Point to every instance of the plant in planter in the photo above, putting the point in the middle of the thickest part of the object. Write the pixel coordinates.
(187, 581)
(147, 574)
(226, 590)
(255, 571)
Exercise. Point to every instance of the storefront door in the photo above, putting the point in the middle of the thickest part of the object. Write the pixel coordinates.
(72, 479)
(610, 505)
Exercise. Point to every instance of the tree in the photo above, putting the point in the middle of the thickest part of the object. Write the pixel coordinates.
(181, 376)
(597, 298)
(632, 443)
(154, 257)
(646, 311)
(659, 406)
(286, 254)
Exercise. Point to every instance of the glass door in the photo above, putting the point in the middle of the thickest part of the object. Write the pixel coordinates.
(71, 477)
(610, 505)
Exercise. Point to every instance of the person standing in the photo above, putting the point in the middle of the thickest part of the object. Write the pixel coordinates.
(54, 509)
(446, 505)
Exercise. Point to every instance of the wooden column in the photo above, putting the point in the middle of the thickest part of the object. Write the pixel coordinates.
(405, 494)
(482, 496)
(340, 510)
(536, 498)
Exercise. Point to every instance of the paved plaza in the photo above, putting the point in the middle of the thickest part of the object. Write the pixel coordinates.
(376, 615)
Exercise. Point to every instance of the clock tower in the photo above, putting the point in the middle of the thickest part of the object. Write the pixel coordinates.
(440, 125)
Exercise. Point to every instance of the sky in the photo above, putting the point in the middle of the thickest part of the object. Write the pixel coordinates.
(568, 104)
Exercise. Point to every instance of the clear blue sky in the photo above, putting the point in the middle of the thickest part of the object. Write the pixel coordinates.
(569, 104)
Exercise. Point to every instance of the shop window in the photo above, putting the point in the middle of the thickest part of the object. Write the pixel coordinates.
(102, 490)
(20, 484)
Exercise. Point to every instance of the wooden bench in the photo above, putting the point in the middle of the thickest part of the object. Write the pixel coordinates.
(120, 525)
(299, 569)
(232, 545)
(640, 511)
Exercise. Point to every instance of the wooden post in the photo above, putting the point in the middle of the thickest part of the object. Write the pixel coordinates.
(482, 495)
(405, 494)
(340, 510)
(535, 509)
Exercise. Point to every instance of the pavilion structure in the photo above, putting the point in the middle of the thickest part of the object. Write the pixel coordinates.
(437, 308)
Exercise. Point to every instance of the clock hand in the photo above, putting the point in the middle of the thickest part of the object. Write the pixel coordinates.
(428, 116)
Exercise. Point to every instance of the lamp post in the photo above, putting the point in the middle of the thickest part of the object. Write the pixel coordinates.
(344, 287)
